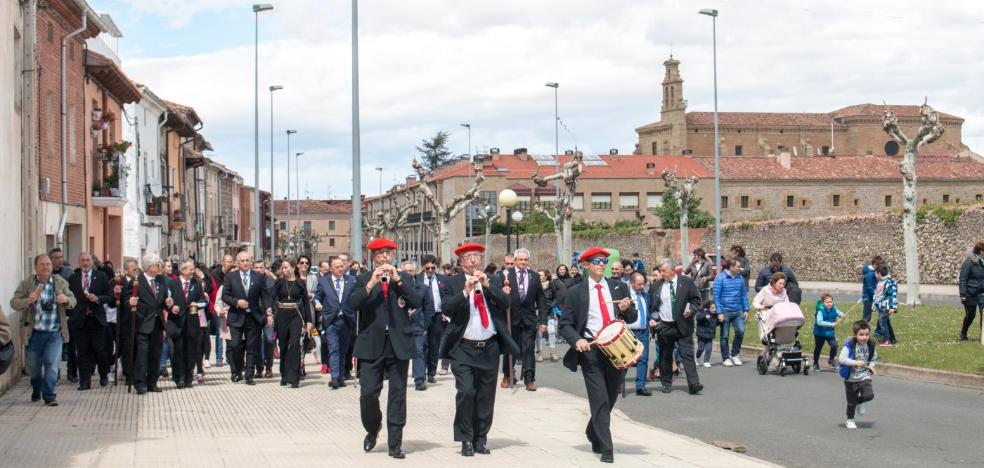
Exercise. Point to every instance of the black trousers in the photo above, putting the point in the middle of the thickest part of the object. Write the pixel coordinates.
(970, 311)
(667, 335)
(475, 371)
(244, 347)
(147, 363)
(204, 348)
(435, 332)
(184, 351)
(287, 323)
(371, 385)
(91, 348)
(857, 393)
(601, 380)
(525, 337)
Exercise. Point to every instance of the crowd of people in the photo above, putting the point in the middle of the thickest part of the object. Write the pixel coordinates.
(175, 317)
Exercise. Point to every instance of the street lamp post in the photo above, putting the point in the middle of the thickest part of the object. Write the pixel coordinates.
(717, 149)
(468, 214)
(273, 198)
(556, 86)
(380, 170)
(517, 217)
(507, 200)
(289, 133)
(297, 191)
(356, 244)
(257, 8)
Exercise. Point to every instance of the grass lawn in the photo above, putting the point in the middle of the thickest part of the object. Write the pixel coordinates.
(927, 337)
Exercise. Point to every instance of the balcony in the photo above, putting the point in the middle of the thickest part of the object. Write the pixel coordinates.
(178, 218)
(111, 190)
(155, 206)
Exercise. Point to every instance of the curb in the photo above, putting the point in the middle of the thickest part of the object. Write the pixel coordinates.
(920, 374)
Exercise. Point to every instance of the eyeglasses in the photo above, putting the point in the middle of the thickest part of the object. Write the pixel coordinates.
(303, 263)
(599, 261)
(430, 268)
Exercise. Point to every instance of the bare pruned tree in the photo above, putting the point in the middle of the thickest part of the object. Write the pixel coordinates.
(446, 212)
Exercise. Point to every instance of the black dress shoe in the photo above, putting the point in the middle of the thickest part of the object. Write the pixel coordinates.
(84, 387)
(341, 383)
(179, 384)
(420, 387)
(36, 395)
(250, 382)
(141, 390)
(431, 379)
(50, 403)
(237, 378)
(73, 379)
(370, 442)
(695, 389)
(666, 389)
(333, 385)
(397, 452)
(608, 457)
(644, 392)
(482, 449)
(295, 385)
(467, 449)
(155, 389)
(283, 383)
(103, 381)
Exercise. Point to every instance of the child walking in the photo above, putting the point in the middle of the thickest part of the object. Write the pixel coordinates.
(857, 364)
(706, 328)
(824, 329)
(886, 302)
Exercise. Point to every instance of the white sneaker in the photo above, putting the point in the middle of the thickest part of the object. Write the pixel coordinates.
(850, 424)
(736, 361)
(728, 363)
(707, 365)
(861, 409)
(207, 364)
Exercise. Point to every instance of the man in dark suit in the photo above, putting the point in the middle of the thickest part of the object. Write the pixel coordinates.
(384, 344)
(151, 301)
(529, 317)
(244, 291)
(126, 326)
(640, 328)
(184, 323)
(420, 319)
(675, 302)
(476, 306)
(333, 300)
(433, 284)
(88, 321)
(588, 307)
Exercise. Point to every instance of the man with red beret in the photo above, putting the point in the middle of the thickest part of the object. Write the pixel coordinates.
(588, 307)
(385, 344)
(476, 336)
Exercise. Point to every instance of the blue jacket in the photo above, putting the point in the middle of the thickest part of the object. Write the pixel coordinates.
(730, 293)
(845, 371)
(824, 323)
(420, 319)
(707, 324)
(868, 283)
(765, 276)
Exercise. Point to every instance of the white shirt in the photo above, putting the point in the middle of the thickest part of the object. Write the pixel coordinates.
(475, 331)
(595, 320)
(640, 303)
(666, 301)
(338, 284)
(435, 291)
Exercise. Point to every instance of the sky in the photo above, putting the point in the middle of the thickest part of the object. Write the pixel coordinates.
(431, 65)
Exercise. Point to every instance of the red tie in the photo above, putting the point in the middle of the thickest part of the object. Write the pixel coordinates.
(386, 290)
(605, 317)
(482, 311)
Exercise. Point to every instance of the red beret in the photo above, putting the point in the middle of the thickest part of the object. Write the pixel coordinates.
(468, 247)
(592, 252)
(381, 243)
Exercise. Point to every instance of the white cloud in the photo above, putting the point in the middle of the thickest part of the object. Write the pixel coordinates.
(430, 65)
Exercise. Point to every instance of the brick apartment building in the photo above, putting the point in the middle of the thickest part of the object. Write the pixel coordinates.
(331, 219)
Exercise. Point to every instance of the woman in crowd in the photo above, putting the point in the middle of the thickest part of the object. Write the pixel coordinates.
(699, 270)
(746, 264)
(972, 287)
(562, 274)
(292, 308)
(304, 272)
(769, 296)
(550, 335)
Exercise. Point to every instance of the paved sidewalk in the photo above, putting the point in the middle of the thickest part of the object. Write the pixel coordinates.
(226, 424)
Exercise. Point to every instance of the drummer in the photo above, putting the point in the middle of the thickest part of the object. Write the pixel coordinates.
(588, 307)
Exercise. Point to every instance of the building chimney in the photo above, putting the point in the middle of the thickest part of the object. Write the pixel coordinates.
(613, 151)
(521, 153)
(785, 160)
(613, 156)
(495, 153)
(411, 179)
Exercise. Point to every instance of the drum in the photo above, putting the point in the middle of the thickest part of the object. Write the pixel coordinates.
(619, 344)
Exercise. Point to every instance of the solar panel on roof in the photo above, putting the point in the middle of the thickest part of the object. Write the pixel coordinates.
(593, 160)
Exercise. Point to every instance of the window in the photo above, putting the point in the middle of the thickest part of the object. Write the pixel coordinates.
(547, 202)
(601, 201)
(855, 202)
(307, 226)
(825, 150)
(946, 198)
(628, 201)
(744, 201)
(578, 201)
(51, 32)
(837, 200)
(737, 150)
(891, 148)
(331, 242)
(803, 203)
(758, 203)
(331, 225)
(523, 203)
(654, 148)
(283, 225)
(979, 197)
(724, 201)
(655, 200)
(790, 201)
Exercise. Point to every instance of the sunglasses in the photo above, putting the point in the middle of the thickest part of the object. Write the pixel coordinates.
(599, 261)
(303, 263)
(430, 268)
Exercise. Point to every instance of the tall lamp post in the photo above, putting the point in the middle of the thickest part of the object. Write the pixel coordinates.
(289, 133)
(297, 190)
(257, 8)
(717, 147)
(468, 213)
(556, 86)
(356, 244)
(507, 200)
(380, 170)
(273, 198)
(517, 217)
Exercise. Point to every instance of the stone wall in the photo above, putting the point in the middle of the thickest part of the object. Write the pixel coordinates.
(543, 248)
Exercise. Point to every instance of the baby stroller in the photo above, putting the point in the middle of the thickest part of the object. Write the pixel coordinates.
(781, 325)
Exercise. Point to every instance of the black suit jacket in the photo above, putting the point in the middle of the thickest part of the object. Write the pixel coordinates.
(258, 297)
(196, 295)
(533, 310)
(455, 305)
(574, 316)
(98, 285)
(150, 307)
(686, 294)
(374, 313)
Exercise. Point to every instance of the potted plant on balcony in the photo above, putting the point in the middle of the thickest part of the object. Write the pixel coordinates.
(111, 183)
(96, 188)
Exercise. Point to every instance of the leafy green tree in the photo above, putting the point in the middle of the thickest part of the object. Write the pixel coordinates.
(434, 151)
(669, 214)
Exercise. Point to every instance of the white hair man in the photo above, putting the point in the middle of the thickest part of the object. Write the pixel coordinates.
(150, 300)
(529, 309)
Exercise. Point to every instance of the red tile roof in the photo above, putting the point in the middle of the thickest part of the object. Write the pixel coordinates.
(314, 206)
(936, 167)
(616, 167)
(107, 73)
(878, 110)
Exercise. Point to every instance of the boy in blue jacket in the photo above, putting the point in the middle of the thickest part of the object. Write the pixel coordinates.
(824, 329)
(857, 365)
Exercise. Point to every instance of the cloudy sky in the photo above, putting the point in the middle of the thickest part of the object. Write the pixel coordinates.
(429, 65)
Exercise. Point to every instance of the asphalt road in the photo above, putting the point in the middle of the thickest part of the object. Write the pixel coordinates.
(798, 420)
